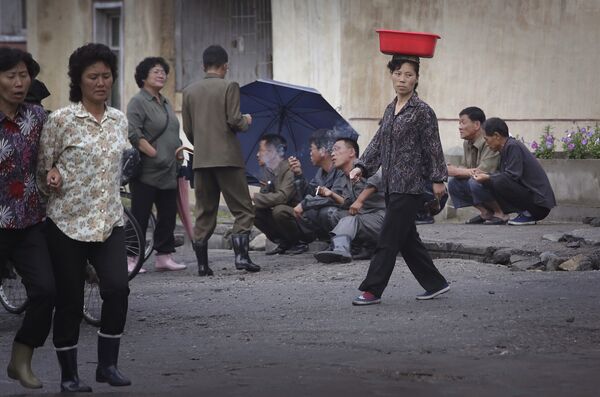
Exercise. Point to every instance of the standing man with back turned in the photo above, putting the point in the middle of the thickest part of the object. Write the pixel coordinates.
(211, 119)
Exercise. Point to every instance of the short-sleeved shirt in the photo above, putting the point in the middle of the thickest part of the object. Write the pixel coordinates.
(21, 203)
(477, 154)
(88, 155)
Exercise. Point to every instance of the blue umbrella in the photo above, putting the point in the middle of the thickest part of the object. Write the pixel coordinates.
(288, 110)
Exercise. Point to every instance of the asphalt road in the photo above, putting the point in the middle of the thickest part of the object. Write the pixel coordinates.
(290, 330)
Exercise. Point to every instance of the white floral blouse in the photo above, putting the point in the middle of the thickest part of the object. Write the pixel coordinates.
(88, 156)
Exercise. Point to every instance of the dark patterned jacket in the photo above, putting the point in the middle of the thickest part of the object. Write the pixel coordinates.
(407, 147)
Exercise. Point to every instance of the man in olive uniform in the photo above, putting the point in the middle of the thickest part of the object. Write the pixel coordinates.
(276, 200)
(211, 119)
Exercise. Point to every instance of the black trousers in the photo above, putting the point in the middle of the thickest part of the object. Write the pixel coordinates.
(514, 197)
(69, 258)
(142, 198)
(399, 234)
(28, 252)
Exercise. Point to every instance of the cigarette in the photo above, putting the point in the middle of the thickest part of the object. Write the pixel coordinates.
(317, 191)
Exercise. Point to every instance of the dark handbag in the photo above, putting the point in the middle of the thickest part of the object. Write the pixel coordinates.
(131, 160)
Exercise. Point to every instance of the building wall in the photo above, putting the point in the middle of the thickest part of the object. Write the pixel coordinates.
(57, 27)
(148, 31)
(54, 30)
(532, 62)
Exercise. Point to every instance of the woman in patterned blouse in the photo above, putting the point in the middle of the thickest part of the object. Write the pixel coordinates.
(22, 209)
(85, 141)
(407, 147)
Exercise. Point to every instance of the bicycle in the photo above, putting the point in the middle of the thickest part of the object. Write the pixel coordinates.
(13, 295)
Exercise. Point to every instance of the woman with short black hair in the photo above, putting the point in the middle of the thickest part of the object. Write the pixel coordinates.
(22, 209)
(154, 130)
(407, 147)
(85, 142)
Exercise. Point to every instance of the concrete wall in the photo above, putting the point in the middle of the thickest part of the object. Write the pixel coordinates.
(57, 27)
(532, 62)
(54, 30)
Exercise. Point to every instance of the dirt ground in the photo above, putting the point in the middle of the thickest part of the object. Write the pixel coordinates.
(290, 330)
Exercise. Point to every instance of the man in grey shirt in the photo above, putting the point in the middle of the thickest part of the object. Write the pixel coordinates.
(365, 204)
(521, 184)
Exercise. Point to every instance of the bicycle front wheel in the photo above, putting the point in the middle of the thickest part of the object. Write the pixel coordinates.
(13, 295)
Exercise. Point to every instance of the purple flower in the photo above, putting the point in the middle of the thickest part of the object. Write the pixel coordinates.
(571, 146)
(584, 141)
(549, 145)
(583, 130)
(534, 145)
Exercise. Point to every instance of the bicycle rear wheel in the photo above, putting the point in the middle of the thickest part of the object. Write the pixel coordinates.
(13, 295)
(150, 236)
(92, 302)
(135, 243)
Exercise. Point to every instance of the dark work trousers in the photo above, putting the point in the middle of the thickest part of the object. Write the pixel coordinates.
(142, 198)
(514, 197)
(399, 234)
(279, 224)
(69, 258)
(26, 249)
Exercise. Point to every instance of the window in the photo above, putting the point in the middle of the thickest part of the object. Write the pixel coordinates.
(13, 23)
(108, 29)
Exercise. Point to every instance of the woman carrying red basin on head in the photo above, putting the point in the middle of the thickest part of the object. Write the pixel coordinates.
(407, 147)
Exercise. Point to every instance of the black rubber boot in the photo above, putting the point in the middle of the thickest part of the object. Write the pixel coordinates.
(69, 378)
(241, 246)
(108, 355)
(340, 251)
(201, 250)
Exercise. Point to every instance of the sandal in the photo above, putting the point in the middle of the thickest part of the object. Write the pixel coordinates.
(494, 220)
(476, 220)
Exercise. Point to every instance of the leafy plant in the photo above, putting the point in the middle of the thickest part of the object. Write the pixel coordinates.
(546, 148)
(578, 143)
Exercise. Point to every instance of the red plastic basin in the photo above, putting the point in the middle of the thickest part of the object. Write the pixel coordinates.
(407, 43)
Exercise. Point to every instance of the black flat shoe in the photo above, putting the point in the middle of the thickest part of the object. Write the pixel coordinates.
(476, 220)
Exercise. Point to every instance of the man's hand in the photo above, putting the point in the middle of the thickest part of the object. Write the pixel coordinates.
(452, 170)
(356, 207)
(439, 189)
(248, 118)
(324, 191)
(481, 177)
(295, 165)
(298, 210)
(54, 179)
(355, 174)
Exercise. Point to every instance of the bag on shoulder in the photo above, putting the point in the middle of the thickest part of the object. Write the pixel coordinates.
(131, 160)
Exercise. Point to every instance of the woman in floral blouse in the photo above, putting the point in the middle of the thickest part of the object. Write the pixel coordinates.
(407, 147)
(22, 208)
(85, 141)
